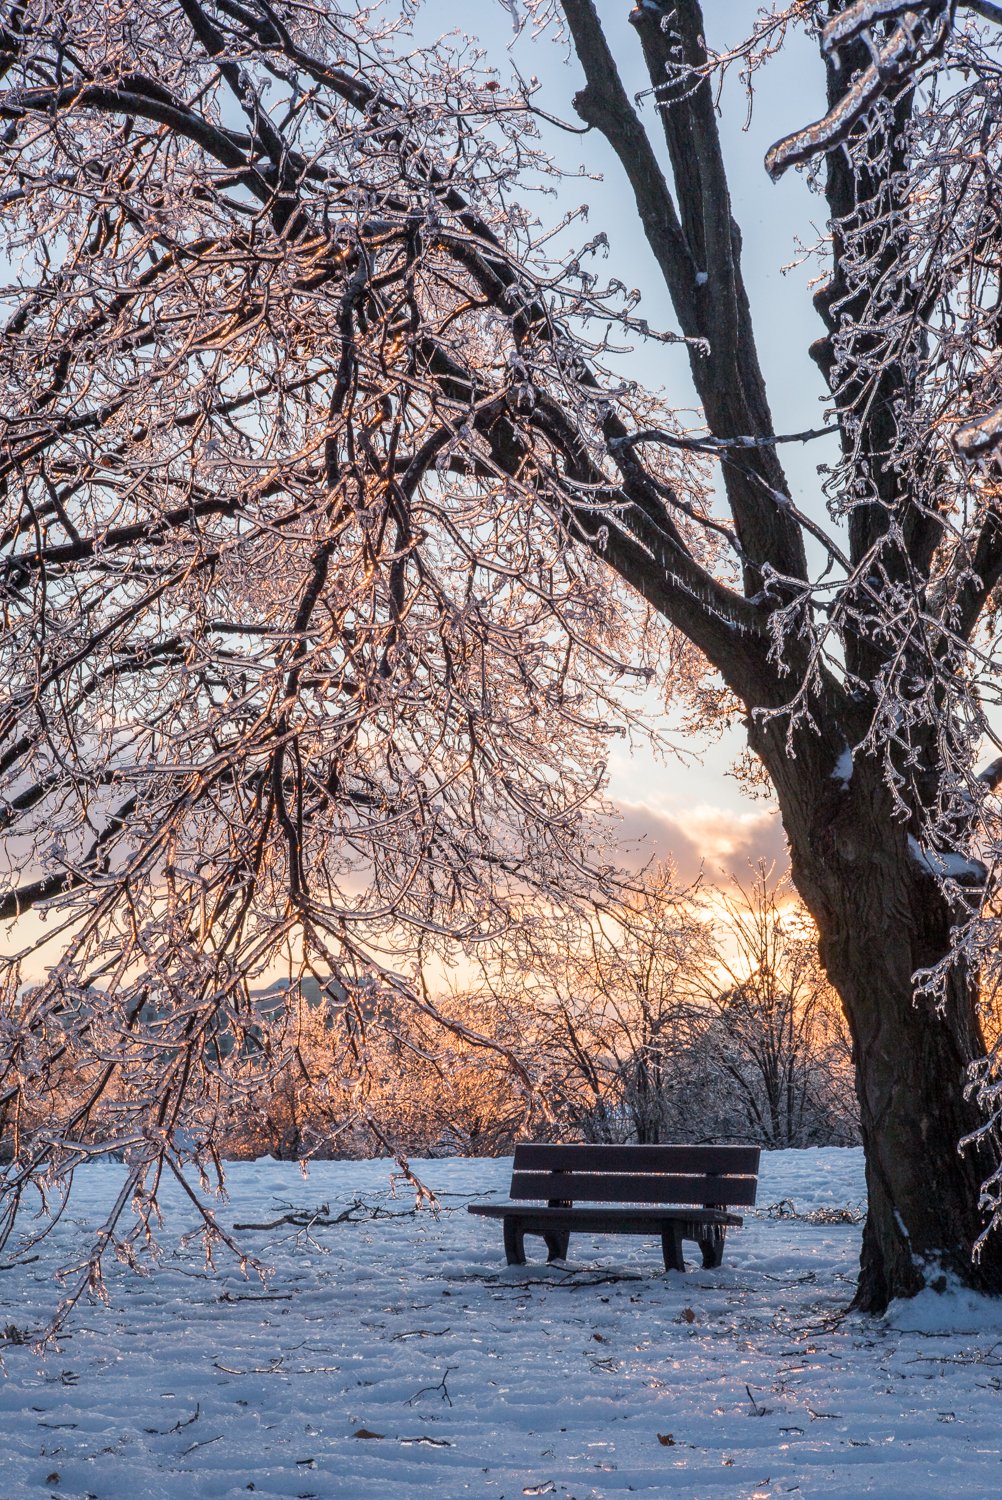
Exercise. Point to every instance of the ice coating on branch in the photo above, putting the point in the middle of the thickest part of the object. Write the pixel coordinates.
(901, 53)
(980, 437)
(864, 14)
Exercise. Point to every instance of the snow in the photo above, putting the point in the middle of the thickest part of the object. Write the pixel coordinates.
(843, 768)
(980, 438)
(601, 1378)
(957, 1312)
(948, 865)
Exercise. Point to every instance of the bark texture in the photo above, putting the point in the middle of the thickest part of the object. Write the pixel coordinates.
(881, 917)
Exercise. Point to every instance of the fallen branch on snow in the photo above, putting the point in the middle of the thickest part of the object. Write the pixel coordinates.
(358, 1212)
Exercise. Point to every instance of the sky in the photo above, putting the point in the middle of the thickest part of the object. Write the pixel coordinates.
(695, 808)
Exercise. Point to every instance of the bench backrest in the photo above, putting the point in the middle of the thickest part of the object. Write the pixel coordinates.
(705, 1175)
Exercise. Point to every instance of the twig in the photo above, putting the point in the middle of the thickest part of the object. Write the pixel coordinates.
(358, 1212)
(419, 1333)
(757, 1409)
(571, 1280)
(203, 1443)
(277, 1367)
(179, 1425)
(430, 1389)
(256, 1297)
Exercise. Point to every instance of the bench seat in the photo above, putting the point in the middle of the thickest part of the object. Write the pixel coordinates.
(625, 1180)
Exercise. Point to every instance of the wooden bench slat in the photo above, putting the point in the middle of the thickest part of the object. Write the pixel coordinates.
(605, 1220)
(628, 1187)
(733, 1160)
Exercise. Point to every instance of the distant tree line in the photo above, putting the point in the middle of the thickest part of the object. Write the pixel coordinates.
(671, 1015)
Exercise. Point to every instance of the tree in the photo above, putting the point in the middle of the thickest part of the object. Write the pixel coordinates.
(779, 1041)
(329, 1079)
(683, 1014)
(291, 670)
(321, 510)
(861, 686)
(615, 1039)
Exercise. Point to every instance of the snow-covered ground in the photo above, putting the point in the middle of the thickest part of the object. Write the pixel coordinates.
(399, 1356)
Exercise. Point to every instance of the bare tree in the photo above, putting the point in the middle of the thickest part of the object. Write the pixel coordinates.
(692, 1014)
(779, 1045)
(332, 1078)
(317, 501)
(617, 1028)
(294, 668)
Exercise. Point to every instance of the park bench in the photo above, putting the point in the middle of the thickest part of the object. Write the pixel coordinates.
(679, 1192)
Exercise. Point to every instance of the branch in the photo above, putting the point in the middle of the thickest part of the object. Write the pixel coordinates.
(16, 902)
(697, 247)
(639, 539)
(141, 99)
(902, 54)
(981, 566)
(711, 444)
(604, 105)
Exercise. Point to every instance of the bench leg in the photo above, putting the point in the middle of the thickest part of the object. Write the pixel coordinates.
(514, 1242)
(671, 1247)
(712, 1247)
(557, 1241)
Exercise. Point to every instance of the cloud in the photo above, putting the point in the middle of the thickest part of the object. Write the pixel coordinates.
(717, 840)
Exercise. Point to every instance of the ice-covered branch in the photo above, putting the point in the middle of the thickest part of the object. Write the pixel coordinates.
(918, 35)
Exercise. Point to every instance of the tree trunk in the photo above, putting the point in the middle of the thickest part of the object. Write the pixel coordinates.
(881, 917)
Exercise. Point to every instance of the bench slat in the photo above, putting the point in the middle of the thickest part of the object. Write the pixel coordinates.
(605, 1220)
(632, 1187)
(740, 1160)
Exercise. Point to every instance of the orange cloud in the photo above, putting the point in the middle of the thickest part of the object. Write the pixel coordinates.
(715, 840)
